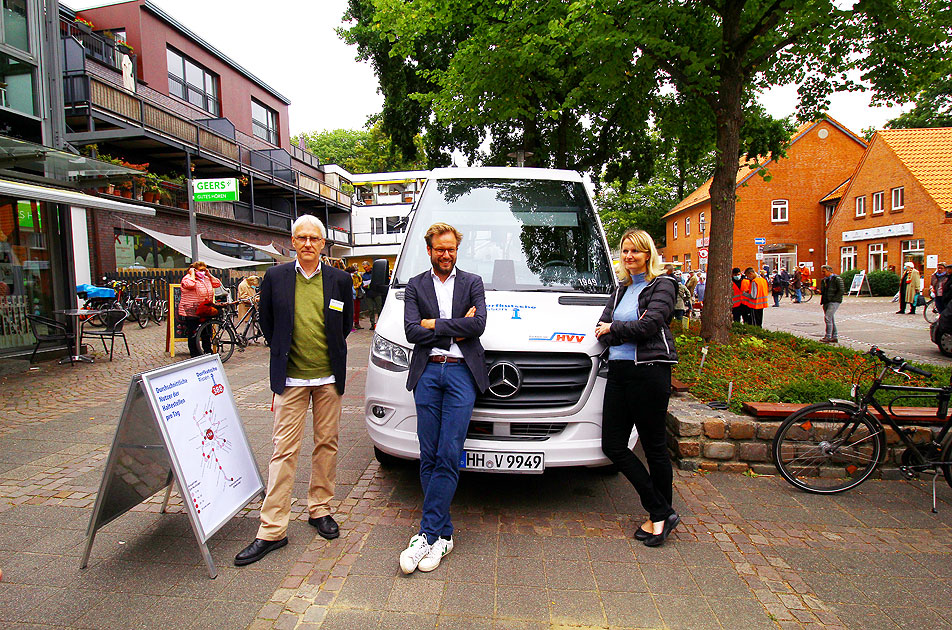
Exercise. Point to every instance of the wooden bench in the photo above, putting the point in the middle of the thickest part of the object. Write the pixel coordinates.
(679, 387)
(904, 415)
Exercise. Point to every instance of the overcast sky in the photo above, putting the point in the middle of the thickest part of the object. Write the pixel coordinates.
(291, 45)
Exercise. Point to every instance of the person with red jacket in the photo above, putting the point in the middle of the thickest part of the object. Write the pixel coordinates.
(198, 287)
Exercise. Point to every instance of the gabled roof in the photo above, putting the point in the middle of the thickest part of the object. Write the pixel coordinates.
(925, 152)
(746, 171)
(836, 193)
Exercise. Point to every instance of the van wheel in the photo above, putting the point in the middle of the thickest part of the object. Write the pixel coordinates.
(945, 344)
(387, 460)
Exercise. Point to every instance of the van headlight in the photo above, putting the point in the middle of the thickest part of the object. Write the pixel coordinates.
(388, 355)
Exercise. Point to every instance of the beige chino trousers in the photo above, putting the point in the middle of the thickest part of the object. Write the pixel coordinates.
(290, 414)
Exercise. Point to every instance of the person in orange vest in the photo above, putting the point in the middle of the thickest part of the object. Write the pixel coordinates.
(758, 296)
(740, 301)
(805, 275)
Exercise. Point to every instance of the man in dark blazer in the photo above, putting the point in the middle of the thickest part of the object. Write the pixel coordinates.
(444, 315)
(306, 310)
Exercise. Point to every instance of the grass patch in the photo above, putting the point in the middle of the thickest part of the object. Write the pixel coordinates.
(771, 366)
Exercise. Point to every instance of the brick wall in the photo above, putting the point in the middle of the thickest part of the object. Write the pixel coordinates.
(881, 171)
(814, 166)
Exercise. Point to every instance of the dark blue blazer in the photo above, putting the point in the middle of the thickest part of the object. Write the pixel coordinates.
(420, 303)
(276, 313)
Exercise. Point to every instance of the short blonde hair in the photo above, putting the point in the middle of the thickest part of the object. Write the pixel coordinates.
(438, 229)
(643, 242)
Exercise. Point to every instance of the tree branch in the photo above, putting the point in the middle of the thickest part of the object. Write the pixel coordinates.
(767, 21)
(790, 39)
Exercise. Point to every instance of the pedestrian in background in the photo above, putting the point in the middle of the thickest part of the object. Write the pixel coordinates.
(372, 298)
(908, 288)
(831, 296)
(758, 297)
(700, 290)
(740, 309)
(797, 284)
(776, 288)
(358, 283)
(198, 295)
(641, 352)
(247, 293)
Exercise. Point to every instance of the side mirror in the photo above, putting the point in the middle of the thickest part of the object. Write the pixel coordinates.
(380, 278)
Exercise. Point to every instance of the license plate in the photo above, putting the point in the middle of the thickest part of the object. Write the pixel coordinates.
(497, 461)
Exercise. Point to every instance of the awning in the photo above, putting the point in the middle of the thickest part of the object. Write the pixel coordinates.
(183, 245)
(270, 250)
(71, 197)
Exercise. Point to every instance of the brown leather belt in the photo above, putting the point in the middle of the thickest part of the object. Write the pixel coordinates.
(442, 358)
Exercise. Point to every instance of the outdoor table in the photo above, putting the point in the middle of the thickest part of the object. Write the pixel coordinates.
(76, 314)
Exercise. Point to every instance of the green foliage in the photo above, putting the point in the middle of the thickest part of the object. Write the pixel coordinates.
(933, 108)
(360, 151)
(848, 277)
(641, 208)
(810, 391)
(883, 282)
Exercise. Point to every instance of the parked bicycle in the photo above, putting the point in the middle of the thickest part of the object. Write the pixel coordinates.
(931, 311)
(225, 335)
(806, 293)
(836, 445)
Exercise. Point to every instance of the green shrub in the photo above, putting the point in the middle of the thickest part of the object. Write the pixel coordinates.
(811, 391)
(848, 277)
(883, 283)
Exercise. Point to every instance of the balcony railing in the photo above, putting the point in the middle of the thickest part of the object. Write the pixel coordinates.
(103, 49)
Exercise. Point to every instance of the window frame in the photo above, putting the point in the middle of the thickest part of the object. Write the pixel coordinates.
(881, 197)
(687, 226)
(848, 252)
(270, 131)
(882, 251)
(860, 205)
(674, 230)
(778, 204)
(210, 101)
(901, 190)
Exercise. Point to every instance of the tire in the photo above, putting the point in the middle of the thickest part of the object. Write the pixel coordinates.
(809, 452)
(159, 310)
(807, 293)
(387, 460)
(945, 344)
(929, 312)
(223, 339)
(946, 456)
(141, 314)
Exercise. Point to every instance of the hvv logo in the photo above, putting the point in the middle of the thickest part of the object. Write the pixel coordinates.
(561, 336)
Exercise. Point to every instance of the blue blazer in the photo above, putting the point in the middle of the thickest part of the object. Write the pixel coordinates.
(276, 314)
(420, 303)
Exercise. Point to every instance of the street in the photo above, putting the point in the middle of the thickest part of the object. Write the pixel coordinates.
(533, 551)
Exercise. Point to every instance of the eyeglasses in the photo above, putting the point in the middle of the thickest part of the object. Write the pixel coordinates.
(308, 239)
(444, 250)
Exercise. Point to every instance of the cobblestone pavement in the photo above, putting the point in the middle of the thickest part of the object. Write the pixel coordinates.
(861, 322)
(549, 551)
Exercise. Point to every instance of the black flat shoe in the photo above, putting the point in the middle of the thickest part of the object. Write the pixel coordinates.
(326, 526)
(656, 540)
(258, 550)
(642, 535)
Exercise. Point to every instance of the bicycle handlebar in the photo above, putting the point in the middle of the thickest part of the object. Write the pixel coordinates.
(897, 363)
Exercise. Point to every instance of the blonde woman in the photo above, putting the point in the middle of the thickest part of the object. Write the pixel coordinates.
(634, 325)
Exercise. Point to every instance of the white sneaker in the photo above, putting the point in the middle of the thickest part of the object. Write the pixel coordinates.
(440, 548)
(415, 551)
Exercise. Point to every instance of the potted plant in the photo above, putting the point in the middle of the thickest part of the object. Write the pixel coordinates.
(125, 189)
(83, 24)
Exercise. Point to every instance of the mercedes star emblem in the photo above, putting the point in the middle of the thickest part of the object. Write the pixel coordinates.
(505, 380)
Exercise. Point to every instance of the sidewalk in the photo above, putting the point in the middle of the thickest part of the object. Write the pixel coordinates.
(548, 551)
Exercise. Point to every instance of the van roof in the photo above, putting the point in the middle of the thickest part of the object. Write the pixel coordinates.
(505, 172)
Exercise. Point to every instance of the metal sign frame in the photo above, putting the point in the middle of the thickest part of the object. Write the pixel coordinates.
(117, 495)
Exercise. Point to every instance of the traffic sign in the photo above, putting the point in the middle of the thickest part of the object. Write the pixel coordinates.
(702, 253)
(760, 241)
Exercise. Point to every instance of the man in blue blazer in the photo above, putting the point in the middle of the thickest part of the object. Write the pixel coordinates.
(306, 312)
(444, 315)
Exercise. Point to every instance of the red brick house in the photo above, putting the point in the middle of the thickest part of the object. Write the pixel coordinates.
(780, 219)
(897, 206)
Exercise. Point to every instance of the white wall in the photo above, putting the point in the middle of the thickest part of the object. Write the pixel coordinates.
(82, 268)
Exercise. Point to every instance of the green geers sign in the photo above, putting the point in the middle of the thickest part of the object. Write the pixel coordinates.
(215, 189)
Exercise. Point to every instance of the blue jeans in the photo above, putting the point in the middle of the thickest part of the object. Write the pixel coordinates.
(444, 398)
(799, 296)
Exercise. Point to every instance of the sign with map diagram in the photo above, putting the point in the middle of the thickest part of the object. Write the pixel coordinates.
(180, 424)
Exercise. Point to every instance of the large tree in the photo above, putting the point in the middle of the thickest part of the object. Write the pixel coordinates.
(361, 150)
(580, 83)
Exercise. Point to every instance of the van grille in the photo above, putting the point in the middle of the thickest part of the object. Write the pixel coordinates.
(517, 431)
(549, 379)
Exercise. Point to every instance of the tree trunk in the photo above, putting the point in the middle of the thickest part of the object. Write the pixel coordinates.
(716, 321)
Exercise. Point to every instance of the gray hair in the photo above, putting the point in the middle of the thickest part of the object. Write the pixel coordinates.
(308, 219)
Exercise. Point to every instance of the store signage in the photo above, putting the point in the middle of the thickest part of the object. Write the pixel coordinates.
(883, 231)
(225, 189)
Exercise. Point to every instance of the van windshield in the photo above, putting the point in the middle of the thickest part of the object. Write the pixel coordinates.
(518, 234)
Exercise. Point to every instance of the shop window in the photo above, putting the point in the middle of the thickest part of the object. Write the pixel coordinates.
(914, 251)
(898, 198)
(192, 82)
(861, 206)
(877, 256)
(878, 202)
(847, 258)
(26, 277)
(264, 122)
(140, 251)
(779, 211)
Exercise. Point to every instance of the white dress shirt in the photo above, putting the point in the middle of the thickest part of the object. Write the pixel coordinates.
(444, 298)
(308, 382)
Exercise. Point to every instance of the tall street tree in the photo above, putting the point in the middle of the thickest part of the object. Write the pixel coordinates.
(581, 83)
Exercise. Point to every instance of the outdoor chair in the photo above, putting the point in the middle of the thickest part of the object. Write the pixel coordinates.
(113, 321)
(47, 330)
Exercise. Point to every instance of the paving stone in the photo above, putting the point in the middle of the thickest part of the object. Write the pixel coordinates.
(569, 575)
(419, 596)
(526, 603)
(686, 612)
(364, 592)
(468, 599)
(636, 610)
(575, 608)
(615, 576)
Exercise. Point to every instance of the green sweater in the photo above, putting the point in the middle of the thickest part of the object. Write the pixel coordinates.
(308, 357)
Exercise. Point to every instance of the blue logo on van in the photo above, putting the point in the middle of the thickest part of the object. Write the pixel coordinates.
(515, 308)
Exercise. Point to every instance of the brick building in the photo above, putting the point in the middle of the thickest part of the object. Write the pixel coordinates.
(142, 88)
(788, 210)
(897, 206)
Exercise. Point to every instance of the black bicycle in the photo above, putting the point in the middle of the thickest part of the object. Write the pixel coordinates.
(225, 335)
(836, 445)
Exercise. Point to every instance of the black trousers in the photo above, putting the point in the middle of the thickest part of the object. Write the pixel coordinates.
(637, 395)
(757, 317)
(191, 326)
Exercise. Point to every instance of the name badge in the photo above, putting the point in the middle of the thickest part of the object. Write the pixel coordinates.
(337, 305)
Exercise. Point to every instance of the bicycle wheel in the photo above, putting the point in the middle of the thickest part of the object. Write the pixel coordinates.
(223, 339)
(946, 456)
(141, 314)
(931, 312)
(160, 309)
(807, 293)
(827, 448)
